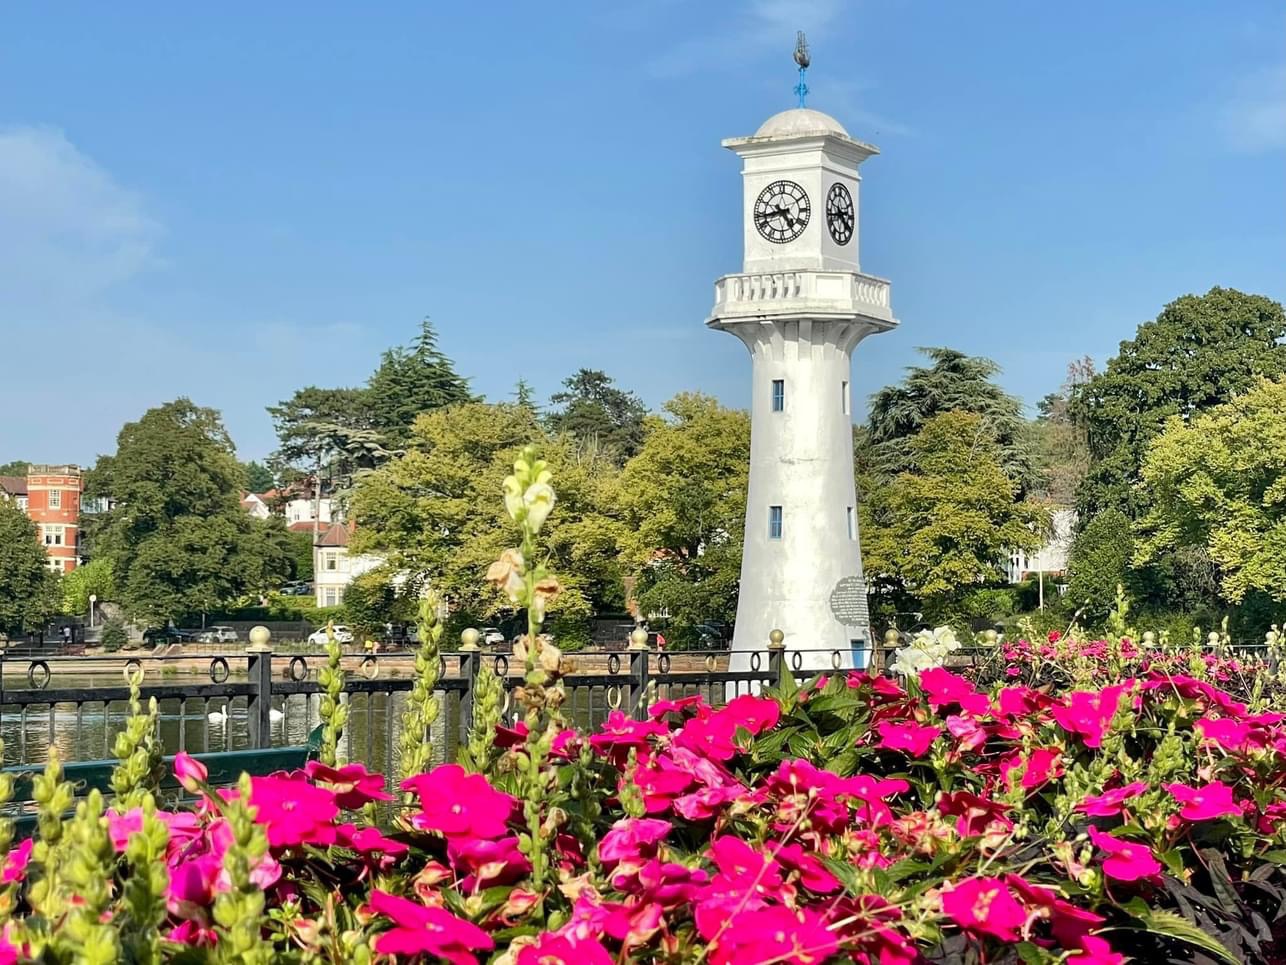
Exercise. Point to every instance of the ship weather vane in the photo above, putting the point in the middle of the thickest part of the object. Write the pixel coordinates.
(803, 60)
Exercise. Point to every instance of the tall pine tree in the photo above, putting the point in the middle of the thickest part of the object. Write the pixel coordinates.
(412, 380)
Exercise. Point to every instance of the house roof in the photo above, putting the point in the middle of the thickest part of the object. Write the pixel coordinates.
(14, 485)
(336, 534)
(304, 526)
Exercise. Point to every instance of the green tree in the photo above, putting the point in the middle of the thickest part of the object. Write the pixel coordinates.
(945, 525)
(1200, 352)
(258, 477)
(955, 382)
(93, 578)
(16, 468)
(295, 419)
(29, 592)
(300, 548)
(435, 511)
(682, 500)
(597, 413)
(177, 539)
(1098, 562)
(410, 381)
(1218, 483)
(1060, 450)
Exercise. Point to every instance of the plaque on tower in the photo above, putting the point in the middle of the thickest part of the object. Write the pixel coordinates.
(848, 602)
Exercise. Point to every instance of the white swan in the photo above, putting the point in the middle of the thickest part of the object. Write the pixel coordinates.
(276, 716)
(218, 716)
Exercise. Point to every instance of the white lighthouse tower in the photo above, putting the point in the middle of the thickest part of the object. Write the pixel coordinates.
(800, 305)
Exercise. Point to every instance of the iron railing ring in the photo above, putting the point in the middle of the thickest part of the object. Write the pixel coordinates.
(501, 665)
(219, 670)
(504, 708)
(442, 666)
(663, 663)
(133, 671)
(796, 660)
(754, 660)
(711, 663)
(613, 663)
(370, 667)
(836, 660)
(298, 669)
(44, 677)
(614, 702)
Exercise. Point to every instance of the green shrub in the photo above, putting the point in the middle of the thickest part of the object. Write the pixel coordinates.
(114, 635)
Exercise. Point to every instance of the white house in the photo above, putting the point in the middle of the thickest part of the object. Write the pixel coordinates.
(299, 509)
(334, 568)
(1050, 559)
(255, 505)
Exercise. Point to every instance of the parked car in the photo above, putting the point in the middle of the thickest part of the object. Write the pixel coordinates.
(318, 637)
(219, 634)
(156, 635)
(491, 637)
(296, 589)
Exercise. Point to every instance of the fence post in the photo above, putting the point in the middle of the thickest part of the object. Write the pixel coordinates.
(638, 674)
(470, 658)
(777, 668)
(260, 668)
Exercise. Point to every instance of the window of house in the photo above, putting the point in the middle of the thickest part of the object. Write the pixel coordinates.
(331, 597)
(778, 395)
(843, 397)
(22, 503)
(774, 522)
(53, 534)
(852, 524)
(55, 499)
(331, 561)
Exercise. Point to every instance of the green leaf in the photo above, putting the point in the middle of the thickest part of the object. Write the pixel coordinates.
(1159, 921)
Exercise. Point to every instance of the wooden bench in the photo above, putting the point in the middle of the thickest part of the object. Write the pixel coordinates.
(225, 768)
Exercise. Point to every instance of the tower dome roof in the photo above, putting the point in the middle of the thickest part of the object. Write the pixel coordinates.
(798, 121)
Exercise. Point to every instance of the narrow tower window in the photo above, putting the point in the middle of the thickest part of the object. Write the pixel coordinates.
(852, 524)
(774, 522)
(843, 397)
(779, 395)
(55, 499)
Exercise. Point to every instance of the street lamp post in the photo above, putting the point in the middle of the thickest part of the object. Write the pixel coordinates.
(92, 600)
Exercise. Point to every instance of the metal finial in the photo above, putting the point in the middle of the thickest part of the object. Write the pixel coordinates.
(803, 60)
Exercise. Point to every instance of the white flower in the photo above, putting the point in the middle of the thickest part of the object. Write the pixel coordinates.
(929, 648)
(539, 500)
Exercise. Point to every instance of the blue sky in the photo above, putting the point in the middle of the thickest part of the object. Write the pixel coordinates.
(233, 201)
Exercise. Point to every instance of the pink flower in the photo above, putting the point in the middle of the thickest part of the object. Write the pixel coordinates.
(1095, 951)
(193, 934)
(944, 688)
(190, 772)
(747, 878)
(660, 780)
(620, 732)
(1205, 803)
(1041, 765)
(15, 864)
(458, 804)
(1068, 923)
(975, 816)
(371, 844)
(715, 736)
(487, 863)
(812, 873)
(353, 785)
(694, 702)
(774, 934)
(1126, 861)
(914, 739)
(554, 949)
(632, 839)
(294, 811)
(420, 930)
(968, 733)
(1111, 803)
(984, 906)
(1089, 714)
(704, 804)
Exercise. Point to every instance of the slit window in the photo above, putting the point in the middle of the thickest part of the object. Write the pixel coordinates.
(774, 522)
(779, 395)
(843, 397)
(852, 524)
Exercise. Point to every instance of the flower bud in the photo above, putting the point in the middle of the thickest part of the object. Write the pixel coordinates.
(190, 772)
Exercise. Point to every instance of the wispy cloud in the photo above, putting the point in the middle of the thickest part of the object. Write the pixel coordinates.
(67, 228)
(758, 26)
(1254, 116)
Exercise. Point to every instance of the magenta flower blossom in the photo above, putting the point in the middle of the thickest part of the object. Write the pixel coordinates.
(774, 934)
(705, 803)
(421, 930)
(812, 873)
(1111, 803)
(353, 785)
(1068, 923)
(190, 772)
(294, 811)
(632, 839)
(15, 864)
(660, 780)
(551, 948)
(747, 878)
(1041, 765)
(984, 906)
(486, 863)
(620, 733)
(715, 736)
(1126, 861)
(370, 844)
(456, 803)
(1205, 803)
(1089, 713)
(943, 688)
(910, 737)
(975, 816)
(968, 733)
(694, 703)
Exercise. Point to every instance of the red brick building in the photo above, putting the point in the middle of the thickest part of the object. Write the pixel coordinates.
(53, 503)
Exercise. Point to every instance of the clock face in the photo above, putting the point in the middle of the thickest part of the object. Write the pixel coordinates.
(781, 212)
(839, 213)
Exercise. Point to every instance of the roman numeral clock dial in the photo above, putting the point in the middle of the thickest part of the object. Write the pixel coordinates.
(781, 212)
(839, 213)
